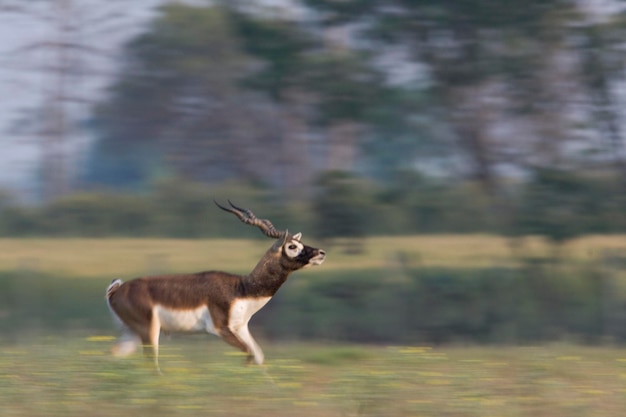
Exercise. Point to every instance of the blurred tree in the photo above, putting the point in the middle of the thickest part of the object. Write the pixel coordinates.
(493, 66)
(209, 93)
(603, 60)
(347, 89)
(279, 47)
(341, 207)
(316, 82)
(64, 56)
(561, 205)
(503, 78)
(176, 106)
(407, 135)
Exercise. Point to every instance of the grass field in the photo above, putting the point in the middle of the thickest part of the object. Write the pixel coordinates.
(76, 377)
(131, 257)
(43, 374)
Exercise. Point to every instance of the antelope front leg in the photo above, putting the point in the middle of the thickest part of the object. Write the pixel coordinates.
(232, 339)
(244, 335)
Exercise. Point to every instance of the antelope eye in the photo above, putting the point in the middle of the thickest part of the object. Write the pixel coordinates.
(292, 247)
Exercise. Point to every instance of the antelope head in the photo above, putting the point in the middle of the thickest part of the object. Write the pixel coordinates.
(294, 254)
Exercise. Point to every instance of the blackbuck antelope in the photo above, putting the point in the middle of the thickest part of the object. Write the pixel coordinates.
(216, 302)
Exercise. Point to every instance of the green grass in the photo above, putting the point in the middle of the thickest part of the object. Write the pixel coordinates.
(75, 376)
(42, 374)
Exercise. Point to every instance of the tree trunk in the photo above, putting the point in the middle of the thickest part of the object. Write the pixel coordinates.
(342, 146)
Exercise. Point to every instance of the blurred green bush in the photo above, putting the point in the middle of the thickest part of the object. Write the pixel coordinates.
(544, 300)
(555, 204)
(539, 302)
(173, 208)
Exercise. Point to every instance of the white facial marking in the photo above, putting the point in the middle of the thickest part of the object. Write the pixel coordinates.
(293, 248)
(192, 320)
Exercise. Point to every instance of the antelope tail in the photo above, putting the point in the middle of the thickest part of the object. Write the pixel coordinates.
(113, 287)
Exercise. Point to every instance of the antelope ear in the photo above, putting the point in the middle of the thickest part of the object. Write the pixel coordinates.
(297, 236)
(280, 241)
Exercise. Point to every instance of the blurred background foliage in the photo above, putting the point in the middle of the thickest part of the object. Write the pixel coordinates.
(351, 119)
(541, 300)
(553, 203)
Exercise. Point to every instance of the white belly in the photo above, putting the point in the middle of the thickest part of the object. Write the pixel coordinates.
(193, 320)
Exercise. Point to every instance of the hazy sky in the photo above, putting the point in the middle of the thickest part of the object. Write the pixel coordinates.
(24, 82)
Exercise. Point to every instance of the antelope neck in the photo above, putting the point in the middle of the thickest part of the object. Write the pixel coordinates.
(266, 278)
